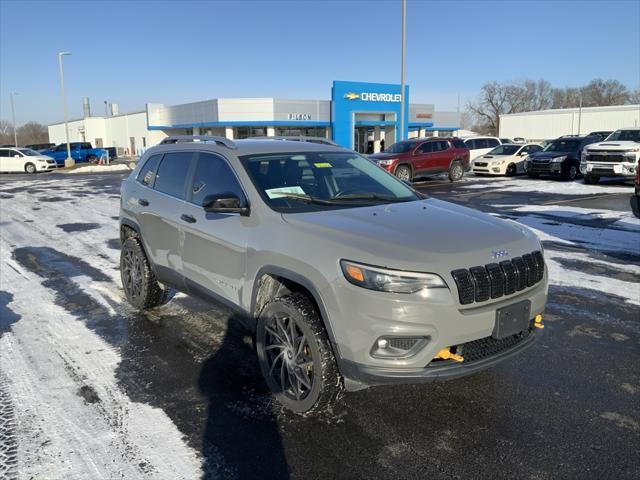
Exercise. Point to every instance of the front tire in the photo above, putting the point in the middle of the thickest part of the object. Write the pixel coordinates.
(511, 170)
(591, 179)
(141, 287)
(456, 172)
(571, 173)
(30, 168)
(295, 355)
(403, 173)
(92, 159)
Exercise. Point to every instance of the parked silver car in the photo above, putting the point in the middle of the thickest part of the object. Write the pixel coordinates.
(348, 276)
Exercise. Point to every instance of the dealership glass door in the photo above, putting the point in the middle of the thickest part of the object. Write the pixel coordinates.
(361, 139)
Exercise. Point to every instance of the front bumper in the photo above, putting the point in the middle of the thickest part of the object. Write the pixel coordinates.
(446, 370)
(545, 168)
(46, 167)
(608, 169)
(358, 318)
(486, 168)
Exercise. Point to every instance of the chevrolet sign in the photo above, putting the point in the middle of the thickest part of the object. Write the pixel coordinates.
(374, 97)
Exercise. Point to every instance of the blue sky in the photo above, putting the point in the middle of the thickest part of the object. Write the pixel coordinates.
(134, 52)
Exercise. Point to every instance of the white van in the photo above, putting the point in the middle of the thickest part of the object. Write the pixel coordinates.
(25, 160)
(479, 146)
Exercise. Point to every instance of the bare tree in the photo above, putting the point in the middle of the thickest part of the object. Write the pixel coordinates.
(634, 97)
(33, 132)
(6, 133)
(600, 92)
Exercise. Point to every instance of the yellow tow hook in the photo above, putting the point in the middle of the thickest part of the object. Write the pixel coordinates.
(445, 354)
(537, 322)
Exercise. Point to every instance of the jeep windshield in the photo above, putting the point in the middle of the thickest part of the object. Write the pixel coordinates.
(625, 135)
(563, 146)
(308, 181)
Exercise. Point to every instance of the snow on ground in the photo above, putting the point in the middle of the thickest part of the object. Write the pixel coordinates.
(526, 185)
(119, 167)
(71, 418)
(585, 229)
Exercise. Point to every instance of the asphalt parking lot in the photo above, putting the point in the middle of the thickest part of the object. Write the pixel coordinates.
(90, 388)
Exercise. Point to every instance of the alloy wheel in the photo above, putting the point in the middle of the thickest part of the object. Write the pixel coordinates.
(403, 174)
(289, 358)
(132, 274)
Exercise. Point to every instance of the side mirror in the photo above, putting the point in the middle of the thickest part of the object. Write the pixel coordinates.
(16, 156)
(227, 202)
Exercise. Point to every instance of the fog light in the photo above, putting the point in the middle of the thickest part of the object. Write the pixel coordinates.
(398, 347)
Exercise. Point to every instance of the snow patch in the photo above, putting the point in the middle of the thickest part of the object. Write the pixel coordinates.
(119, 167)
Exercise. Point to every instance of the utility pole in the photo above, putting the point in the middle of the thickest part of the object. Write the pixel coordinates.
(69, 162)
(403, 62)
(13, 119)
(580, 113)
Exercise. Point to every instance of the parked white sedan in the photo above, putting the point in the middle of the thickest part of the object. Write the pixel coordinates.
(25, 160)
(507, 159)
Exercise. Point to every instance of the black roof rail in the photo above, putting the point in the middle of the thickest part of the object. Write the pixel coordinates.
(294, 138)
(199, 138)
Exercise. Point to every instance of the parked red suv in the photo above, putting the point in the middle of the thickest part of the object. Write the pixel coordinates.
(423, 157)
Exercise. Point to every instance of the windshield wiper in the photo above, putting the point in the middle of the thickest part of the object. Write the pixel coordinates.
(306, 198)
(373, 196)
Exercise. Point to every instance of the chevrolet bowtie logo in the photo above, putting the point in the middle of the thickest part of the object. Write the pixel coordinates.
(351, 96)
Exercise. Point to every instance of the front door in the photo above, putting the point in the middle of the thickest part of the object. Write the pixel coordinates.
(215, 244)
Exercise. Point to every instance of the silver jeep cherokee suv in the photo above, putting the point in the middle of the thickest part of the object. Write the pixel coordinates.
(348, 276)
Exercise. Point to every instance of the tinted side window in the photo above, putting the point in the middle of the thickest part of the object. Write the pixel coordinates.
(471, 144)
(426, 147)
(148, 171)
(442, 146)
(459, 144)
(492, 142)
(61, 148)
(213, 176)
(172, 174)
(4, 153)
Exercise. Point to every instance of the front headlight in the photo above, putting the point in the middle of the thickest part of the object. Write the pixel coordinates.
(558, 159)
(386, 162)
(631, 153)
(385, 280)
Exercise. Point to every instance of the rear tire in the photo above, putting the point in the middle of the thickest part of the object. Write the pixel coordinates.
(92, 159)
(403, 172)
(141, 287)
(591, 179)
(30, 168)
(295, 355)
(456, 171)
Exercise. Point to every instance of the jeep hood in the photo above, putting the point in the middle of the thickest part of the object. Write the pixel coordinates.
(415, 235)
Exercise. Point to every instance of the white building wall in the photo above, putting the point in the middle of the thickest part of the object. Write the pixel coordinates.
(114, 131)
(547, 124)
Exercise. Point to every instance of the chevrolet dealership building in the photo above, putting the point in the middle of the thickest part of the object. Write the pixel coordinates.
(361, 116)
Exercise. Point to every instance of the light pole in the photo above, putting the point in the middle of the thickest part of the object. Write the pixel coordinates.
(402, 67)
(13, 119)
(69, 162)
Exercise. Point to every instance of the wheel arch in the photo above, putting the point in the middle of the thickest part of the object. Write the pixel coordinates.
(273, 281)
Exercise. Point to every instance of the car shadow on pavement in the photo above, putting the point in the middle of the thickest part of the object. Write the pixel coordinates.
(241, 437)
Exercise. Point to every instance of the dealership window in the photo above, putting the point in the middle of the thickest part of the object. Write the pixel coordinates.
(246, 132)
(301, 131)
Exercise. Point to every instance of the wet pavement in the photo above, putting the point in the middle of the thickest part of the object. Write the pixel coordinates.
(568, 407)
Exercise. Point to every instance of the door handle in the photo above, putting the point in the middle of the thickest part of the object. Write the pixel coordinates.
(187, 218)
(143, 202)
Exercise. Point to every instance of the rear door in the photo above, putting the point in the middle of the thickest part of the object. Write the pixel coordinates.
(215, 244)
(442, 155)
(160, 203)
